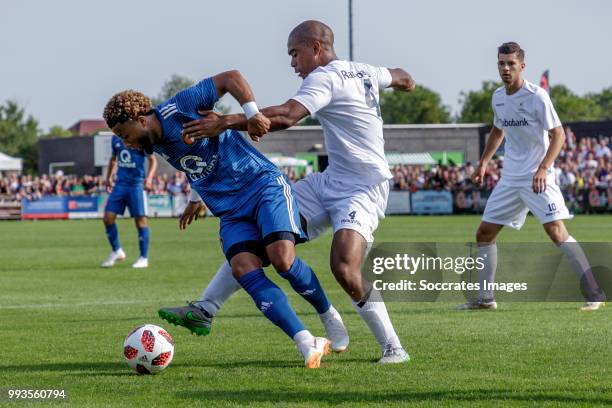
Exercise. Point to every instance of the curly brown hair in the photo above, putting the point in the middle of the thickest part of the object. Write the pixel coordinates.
(126, 105)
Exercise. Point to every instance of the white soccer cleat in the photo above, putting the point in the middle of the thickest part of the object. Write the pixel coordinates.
(335, 330)
(313, 356)
(114, 256)
(590, 306)
(394, 355)
(479, 304)
(141, 263)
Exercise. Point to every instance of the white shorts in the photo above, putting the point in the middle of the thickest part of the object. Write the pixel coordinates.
(509, 205)
(325, 202)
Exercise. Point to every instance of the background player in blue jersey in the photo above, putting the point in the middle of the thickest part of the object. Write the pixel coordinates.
(127, 190)
(259, 217)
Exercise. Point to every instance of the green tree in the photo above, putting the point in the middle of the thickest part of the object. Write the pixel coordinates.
(419, 106)
(604, 101)
(171, 87)
(476, 105)
(19, 134)
(571, 107)
(57, 131)
(177, 83)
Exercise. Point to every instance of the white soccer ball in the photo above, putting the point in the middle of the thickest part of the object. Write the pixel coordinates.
(148, 349)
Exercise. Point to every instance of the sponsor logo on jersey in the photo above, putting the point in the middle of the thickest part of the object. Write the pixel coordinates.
(515, 122)
(196, 168)
(352, 75)
(125, 160)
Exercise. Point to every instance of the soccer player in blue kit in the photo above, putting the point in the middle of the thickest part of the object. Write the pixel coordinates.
(127, 190)
(259, 220)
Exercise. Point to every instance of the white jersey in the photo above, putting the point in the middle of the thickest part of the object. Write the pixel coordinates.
(344, 97)
(526, 116)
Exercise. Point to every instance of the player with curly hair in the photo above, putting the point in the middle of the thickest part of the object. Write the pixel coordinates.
(260, 223)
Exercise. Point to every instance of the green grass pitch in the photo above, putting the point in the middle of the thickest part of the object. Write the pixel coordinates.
(63, 320)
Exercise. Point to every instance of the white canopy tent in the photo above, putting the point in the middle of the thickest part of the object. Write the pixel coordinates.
(282, 161)
(8, 163)
(410, 158)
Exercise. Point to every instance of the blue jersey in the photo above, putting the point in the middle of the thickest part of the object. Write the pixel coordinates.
(130, 163)
(225, 169)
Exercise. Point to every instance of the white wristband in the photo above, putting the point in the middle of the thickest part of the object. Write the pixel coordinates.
(250, 109)
(194, 196)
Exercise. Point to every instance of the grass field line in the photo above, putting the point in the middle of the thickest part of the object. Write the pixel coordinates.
(93, 303)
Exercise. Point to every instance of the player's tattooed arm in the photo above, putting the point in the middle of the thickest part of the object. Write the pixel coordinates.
(401, 80)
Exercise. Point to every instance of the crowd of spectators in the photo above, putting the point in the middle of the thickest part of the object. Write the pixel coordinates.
(17, 187)
(583, 170)
(583, 165)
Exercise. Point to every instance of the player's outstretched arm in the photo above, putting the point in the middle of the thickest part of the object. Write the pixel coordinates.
(495, 139)
(401, 80)
(286, 115)
(280, 117)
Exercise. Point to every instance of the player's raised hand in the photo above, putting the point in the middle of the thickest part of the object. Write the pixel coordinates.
(258, 126)
(479, 174)
(539, 181)
(210, 125)
(190, 214)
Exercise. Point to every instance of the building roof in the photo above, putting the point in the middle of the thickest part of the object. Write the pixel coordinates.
(88, 127)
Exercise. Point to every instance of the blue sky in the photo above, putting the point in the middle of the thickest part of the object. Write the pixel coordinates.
(63, 59)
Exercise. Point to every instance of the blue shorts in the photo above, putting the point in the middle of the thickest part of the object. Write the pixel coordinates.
(270, 209)
(132, 197)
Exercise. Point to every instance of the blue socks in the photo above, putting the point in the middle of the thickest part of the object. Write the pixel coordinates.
(143, 241)
(304, 281)
(113, 236)
(272, 302)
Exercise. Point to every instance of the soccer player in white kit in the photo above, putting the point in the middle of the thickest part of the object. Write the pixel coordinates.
(350, 196)
(524, 115)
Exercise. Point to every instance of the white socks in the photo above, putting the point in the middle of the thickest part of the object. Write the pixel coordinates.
(221, 287)
(489, 255)
(375, 314)
(304, 340)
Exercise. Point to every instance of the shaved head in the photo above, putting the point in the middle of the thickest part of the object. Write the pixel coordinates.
(310, 45)
(312, 30)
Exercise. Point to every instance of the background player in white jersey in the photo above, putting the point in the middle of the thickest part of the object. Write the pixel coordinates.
(525, 116)
(351, 194)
